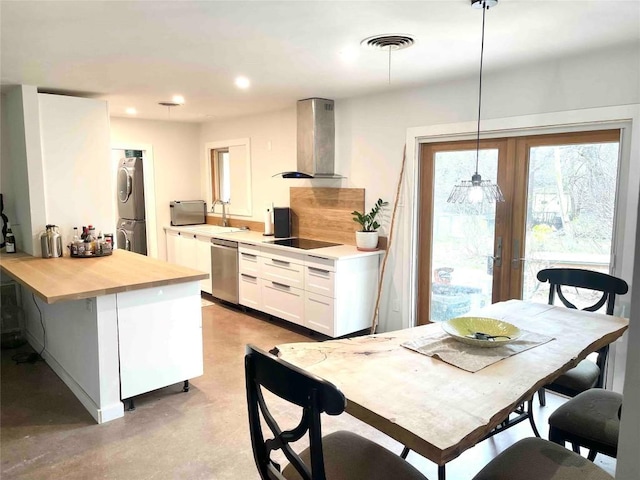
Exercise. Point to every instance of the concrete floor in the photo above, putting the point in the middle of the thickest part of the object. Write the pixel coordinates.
(45, 433)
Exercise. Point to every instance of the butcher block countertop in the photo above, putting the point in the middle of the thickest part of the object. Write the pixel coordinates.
(60, 279)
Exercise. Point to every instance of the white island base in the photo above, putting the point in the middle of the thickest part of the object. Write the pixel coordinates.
(112, 347)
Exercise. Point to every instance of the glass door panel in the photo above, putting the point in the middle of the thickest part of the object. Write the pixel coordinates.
(569, 213)
(462, 241)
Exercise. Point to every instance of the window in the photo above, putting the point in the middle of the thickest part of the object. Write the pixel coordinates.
(229, 175)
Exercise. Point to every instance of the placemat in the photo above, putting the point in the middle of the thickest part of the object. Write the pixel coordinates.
(468, 357)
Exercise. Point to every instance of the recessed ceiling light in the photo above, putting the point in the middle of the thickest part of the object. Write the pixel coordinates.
(179, 99)
(349, 54)
(242, 82)
(131, 111)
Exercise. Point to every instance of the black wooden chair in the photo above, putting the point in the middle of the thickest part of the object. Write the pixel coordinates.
(538, 459)
(591, 420)
(338, 456)
(586, 374)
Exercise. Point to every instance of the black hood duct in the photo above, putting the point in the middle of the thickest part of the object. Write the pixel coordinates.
(315, 140)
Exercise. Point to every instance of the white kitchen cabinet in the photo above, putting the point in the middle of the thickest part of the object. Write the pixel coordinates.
(249, 281)
(191, 251)
(340, 294)
(173, 245)
(250, 291)
(203, 261)
(283, 301)
(159, 337)
(334, 297)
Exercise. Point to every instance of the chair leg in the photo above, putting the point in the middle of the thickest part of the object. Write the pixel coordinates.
(532, 420)
(542, 397)
(576, 447)
(555, 436)
(405, 452)
(592, 455)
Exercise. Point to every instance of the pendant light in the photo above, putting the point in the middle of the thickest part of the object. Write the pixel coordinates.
(477, 190)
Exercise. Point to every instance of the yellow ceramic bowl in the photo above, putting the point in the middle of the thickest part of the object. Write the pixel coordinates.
(481, 331)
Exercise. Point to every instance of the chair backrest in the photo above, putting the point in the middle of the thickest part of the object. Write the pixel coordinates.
(313, 394)
(610, 286)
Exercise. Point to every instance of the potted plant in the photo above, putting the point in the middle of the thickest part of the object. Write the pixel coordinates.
(367, 238)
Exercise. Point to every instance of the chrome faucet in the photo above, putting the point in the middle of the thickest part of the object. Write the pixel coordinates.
(224, 211)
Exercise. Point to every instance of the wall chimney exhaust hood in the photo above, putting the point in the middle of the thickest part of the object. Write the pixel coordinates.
(315, 140)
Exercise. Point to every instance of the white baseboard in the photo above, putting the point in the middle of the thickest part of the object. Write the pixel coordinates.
(100, 414)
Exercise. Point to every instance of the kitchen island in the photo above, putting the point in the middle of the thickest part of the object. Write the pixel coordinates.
(111, 327)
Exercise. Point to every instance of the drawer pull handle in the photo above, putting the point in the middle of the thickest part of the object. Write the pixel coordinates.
(315, 256)
(281, 285)
(249, 276)
(319, 270)
(280, 262)
(249, 255)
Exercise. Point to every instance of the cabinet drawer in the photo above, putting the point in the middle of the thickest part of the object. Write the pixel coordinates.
(319, 280)
(320, 262)
(282, 271)
(248, 262)
(283, 301)
(250, 291)
(319, 313)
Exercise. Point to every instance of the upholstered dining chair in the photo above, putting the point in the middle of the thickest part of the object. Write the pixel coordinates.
(338, 456)
(586, 374)
(538, 459)
(591, 420)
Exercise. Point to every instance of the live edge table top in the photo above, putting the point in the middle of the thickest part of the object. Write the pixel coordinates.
(439, 410)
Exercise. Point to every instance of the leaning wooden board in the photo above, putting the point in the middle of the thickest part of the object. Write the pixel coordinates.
(325, 213)
(59, 279)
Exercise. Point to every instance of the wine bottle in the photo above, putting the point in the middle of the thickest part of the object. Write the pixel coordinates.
(10, 240)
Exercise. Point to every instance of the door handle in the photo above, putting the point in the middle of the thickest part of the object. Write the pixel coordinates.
(497, 257)
(515, 261)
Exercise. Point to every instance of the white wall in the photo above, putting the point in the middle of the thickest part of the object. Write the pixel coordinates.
(76, 163)
(176, 159)
(628, 465)
(22, 177)
(273, 150)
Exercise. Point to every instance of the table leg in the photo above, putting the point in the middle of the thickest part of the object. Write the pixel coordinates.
(441, 472)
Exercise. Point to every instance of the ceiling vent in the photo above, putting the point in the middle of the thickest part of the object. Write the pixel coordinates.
(390, 41)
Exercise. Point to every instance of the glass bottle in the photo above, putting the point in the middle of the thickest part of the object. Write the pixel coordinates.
(75, 243)
(10, 240)
(93, 239)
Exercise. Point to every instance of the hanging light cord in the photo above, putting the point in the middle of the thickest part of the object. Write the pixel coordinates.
(484, 9)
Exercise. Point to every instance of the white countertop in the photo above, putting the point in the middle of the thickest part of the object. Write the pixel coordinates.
(339, 252)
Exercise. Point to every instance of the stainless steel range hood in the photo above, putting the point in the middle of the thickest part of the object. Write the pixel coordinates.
(316, 140)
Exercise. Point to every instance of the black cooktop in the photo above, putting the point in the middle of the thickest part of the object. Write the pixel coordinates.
(302, 243)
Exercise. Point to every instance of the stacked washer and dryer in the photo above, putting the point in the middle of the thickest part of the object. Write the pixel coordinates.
(131, 230)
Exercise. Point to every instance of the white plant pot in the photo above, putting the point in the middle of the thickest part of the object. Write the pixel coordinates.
(367, 240)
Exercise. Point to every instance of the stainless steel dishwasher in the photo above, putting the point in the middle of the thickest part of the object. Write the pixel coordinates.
(224, 270)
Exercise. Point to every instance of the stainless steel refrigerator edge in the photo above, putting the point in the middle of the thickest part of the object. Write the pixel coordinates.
(224, 270)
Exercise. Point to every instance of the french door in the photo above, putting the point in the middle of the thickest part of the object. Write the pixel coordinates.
(560, 193)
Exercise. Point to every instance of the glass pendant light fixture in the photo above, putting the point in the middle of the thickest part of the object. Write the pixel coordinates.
(477, 190)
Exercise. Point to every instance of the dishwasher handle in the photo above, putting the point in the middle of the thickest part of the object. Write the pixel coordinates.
(218, 242)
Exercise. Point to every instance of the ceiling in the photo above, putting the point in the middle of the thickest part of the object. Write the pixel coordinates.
(139, 53)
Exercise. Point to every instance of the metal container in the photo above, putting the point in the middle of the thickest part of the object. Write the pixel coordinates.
(51, 242)
(189, 212)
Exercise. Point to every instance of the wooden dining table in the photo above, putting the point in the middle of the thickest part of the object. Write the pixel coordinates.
(439, 410)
